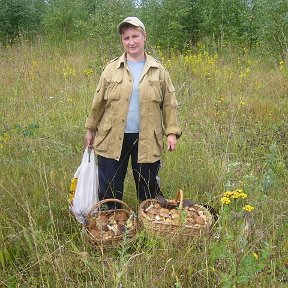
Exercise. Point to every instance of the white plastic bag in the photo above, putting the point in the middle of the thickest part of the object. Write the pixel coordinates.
(86, 193)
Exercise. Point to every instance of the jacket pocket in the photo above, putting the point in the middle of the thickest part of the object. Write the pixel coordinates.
(155, 91)
(102, 138)
(114, 88)
(158, 142)
(171, 88)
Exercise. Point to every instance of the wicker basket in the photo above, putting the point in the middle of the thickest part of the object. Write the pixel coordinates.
(180, 227)
(112, 241)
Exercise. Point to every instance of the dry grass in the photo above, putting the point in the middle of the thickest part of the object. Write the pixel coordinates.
(234, 117)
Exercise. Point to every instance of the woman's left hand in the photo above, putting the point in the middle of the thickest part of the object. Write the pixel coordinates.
(171, 142)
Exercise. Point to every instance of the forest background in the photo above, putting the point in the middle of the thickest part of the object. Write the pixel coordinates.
(228, 62)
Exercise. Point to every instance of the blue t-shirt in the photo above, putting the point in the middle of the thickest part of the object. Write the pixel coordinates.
(132, 123)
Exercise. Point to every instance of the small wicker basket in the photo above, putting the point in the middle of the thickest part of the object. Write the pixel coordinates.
(96, 214)
(180, 227)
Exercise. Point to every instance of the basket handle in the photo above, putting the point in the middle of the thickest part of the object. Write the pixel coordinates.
(179, 197)
(99, 203)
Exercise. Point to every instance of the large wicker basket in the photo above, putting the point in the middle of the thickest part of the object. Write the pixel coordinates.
(180, 227)
(96, 214)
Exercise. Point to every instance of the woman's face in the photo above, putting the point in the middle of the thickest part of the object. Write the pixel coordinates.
(133, 41)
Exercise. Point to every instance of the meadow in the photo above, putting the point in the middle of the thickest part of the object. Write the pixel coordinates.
(233, 109)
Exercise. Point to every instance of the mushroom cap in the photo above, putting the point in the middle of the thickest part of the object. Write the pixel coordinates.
(121, 228)
(96, 233)
(163, 214)
(153, 211)
(102, 218)
(199, 220)
(157, 205)
(120, 216)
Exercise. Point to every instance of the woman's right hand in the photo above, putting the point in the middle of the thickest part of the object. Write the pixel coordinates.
(89, 137)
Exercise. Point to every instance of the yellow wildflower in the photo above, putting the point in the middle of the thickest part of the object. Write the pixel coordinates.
(248, 208)
(68, 71)
(243, 195)
(255, 255)
(225, 200)
(235, 195)
(88, 71)
(228, 194)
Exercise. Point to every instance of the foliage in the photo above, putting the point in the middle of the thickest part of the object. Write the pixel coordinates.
(257, 25)
(103, 19)
(61, 19)
(20, 16)
(273, 26)
(165, 28)
(224, 20)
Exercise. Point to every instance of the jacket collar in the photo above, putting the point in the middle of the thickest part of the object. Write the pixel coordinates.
(150, 61)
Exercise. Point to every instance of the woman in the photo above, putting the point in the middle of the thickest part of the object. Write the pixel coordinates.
(133, 108)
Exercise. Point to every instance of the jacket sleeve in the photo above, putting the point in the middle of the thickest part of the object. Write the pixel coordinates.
(169, 108)
(98, 105)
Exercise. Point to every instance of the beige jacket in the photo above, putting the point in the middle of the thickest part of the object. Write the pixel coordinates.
(110, 106)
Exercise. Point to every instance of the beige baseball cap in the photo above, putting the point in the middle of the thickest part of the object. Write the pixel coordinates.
(132, 21)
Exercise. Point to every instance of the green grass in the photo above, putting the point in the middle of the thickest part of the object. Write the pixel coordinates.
(233, 110)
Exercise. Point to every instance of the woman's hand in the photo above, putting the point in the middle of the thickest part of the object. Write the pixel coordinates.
(89, 137)
(171, 142)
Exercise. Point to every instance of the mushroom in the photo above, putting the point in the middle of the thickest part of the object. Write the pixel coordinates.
(96, 233)
(163, 214)
(158, 218)
(150, 215)
(121, 228)
(101, 222)
(193, 214)
(102, 219)
(199, 220)
(165, 210)
(157, 205)
(91, 223)
(114, 228)
(153, 211)
(192, 209)
(104, 227)
(120, 216)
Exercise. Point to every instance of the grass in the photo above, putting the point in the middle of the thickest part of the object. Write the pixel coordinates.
(233, 110)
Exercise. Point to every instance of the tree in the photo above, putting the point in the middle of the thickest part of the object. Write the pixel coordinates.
(164, 22)
(104, 17)
(62, 17)
(225, 20)
(272, 30)
(20, 16)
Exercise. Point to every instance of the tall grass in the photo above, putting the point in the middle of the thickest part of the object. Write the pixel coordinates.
(233, 110)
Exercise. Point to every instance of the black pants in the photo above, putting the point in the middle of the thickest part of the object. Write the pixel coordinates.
(112, 173)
